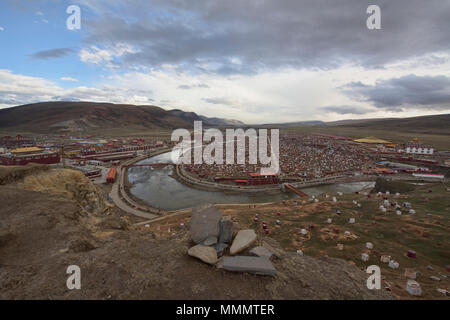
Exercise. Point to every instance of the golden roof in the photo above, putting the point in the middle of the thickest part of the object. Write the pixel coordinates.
(27, 149)
(372, 140)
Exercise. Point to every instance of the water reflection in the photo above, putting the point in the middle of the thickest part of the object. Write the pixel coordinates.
(156, 187)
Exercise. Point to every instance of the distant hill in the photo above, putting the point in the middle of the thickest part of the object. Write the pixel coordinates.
(438, 124)
(58, 116)
(192, 116)
(297, 123)
(426, 124)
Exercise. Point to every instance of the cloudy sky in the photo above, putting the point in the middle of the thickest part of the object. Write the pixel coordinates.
(257, 61)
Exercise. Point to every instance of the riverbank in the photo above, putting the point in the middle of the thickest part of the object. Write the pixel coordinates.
(181, 175)
(167, 190)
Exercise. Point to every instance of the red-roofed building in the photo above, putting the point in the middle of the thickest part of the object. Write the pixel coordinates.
(256, 179)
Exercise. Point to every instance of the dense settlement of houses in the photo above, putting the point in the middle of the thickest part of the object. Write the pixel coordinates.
(303, 157)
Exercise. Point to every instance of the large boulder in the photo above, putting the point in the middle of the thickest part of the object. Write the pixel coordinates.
(204, 253)
(205, 223)
(242, 241)
(257, 265)
(226, 230)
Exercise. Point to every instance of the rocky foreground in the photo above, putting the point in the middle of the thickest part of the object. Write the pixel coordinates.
(44, 230)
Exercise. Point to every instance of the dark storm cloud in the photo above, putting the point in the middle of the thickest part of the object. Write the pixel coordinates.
(346, 109)
(427, 92)
(52, 53)
(208, 36)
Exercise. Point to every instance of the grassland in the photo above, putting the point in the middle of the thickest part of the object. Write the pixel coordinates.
(427, 232)
(441, 141)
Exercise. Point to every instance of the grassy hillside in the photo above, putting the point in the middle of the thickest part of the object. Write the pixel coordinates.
(89, 117)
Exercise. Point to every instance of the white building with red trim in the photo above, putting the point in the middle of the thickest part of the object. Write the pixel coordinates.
(419, 148)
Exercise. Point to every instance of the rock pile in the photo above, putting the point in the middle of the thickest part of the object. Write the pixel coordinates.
(213, 234)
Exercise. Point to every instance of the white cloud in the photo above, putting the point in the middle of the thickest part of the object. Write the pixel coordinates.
(69, 79)
(285, 96)
(16, 89)
(2, 29)
(107, 56)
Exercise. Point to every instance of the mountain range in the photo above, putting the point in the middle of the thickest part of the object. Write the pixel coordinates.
(63, 116)
(59, 116)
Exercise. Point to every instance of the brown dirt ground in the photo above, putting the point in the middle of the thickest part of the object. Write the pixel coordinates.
(43, 232)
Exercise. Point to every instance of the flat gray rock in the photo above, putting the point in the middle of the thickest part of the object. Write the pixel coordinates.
(273, 246)
(243, 240)
(256, 265)
(261, 252)
(226, 230)
(204, 253)
(205, 222)
(210, 241)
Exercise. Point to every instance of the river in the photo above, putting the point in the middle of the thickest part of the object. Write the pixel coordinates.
(157, 188)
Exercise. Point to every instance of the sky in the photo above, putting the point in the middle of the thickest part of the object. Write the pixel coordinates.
(258, 61)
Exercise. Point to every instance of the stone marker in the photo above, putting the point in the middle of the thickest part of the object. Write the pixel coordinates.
(226, 230)
(410, 273)
(220, 247)
(219, 264)
(271, 245)
(443, 291)
(413, 288)
(393, 264)
(205, 222)
(261, 252)
(204, 253)
(256, 265)
(210, 241)
(242, 241)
